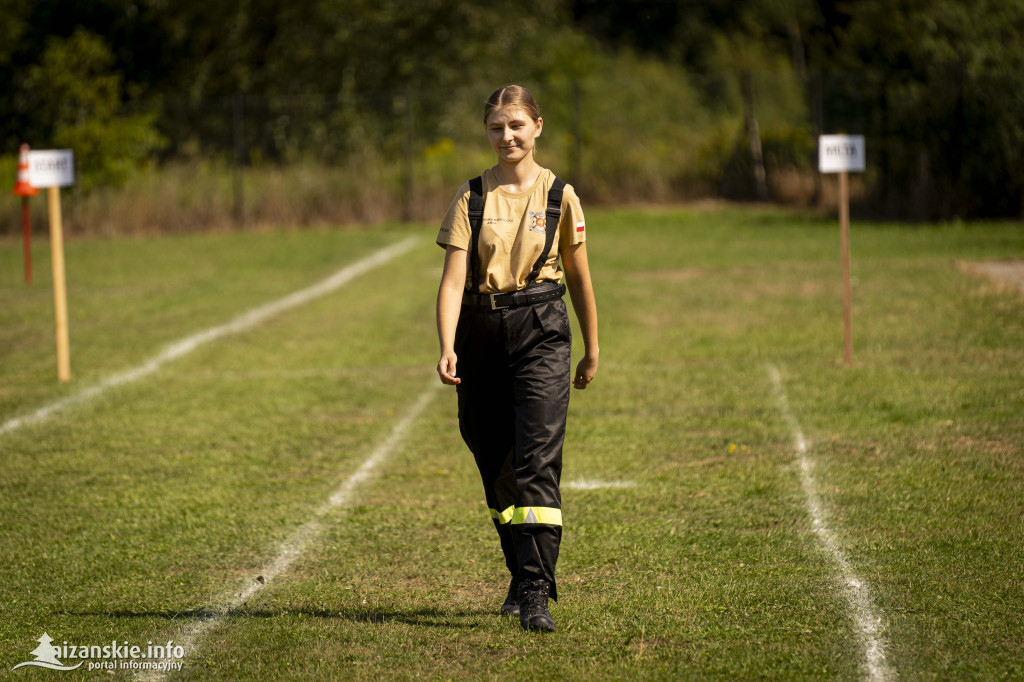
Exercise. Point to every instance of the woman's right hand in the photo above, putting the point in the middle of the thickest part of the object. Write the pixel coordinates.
(446, 368)
(449, 302)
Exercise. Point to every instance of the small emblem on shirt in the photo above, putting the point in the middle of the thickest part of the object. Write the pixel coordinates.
(538, 221)
(579, 226)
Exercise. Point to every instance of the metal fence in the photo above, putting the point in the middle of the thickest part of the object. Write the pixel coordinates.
(744, 136)
(748, 136)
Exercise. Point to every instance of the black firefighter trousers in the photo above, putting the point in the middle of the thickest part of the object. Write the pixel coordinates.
(513, 401)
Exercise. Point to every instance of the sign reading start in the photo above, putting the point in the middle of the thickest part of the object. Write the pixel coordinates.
(838, 153)
(51, 168)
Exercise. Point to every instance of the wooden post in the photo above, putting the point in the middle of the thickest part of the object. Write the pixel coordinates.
(409, 125)
(842, 154)
(818, 123)
(576, 158)
(60, 296)
(238, 131)
(844, 239)
(754, 138)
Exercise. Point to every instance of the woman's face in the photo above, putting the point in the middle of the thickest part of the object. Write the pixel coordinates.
(513, 133)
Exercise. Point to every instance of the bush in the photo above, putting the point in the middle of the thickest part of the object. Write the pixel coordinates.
(78, 97)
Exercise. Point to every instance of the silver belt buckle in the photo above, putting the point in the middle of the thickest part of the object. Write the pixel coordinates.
(495, 306)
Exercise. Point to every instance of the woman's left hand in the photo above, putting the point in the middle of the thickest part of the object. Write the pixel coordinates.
(585, 372)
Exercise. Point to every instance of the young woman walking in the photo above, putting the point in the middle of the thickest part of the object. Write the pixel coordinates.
(506, 342)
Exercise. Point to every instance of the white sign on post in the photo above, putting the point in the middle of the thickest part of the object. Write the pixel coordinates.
(843, 154)
(51, 168)
(838, 153)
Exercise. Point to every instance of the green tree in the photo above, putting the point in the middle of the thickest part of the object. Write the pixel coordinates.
(78, 95)
(13, 22)
(942, 83)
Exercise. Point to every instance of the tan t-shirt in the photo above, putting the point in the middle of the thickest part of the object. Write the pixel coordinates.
(513, 232)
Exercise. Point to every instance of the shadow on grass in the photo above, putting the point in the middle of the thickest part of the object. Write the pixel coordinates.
(434, 618)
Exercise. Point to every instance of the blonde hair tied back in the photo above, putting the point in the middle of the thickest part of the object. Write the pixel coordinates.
(512, 96)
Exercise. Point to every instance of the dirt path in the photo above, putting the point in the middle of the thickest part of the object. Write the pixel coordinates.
(1005, 273)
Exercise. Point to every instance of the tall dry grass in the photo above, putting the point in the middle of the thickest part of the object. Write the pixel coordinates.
(201, 195)
(632, 147)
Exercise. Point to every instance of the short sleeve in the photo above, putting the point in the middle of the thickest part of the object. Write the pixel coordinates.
(455, 229)
(572, 227)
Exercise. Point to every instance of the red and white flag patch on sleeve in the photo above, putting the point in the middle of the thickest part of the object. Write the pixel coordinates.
(579, 226)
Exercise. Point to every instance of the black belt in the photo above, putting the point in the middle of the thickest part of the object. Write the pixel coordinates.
(529, 296)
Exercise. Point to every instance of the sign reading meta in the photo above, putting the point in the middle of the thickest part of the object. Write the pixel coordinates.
(841, 153)
(52, 168)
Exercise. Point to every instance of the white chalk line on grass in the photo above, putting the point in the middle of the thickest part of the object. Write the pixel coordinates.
(241, 323)
(593, 484)
(856, 590)
(297, 543)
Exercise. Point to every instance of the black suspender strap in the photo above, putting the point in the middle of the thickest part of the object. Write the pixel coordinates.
(551, 217)
(476, 221)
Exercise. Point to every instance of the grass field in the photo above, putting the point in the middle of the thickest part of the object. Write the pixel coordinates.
(146, 510)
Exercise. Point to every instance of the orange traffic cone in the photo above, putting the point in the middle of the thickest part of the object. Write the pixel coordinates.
(24, 188)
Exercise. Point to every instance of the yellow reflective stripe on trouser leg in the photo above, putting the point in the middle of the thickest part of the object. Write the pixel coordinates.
(502, 516)
(548, 515)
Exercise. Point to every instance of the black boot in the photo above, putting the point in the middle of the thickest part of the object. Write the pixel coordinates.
(533, 606)
(511, 605)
